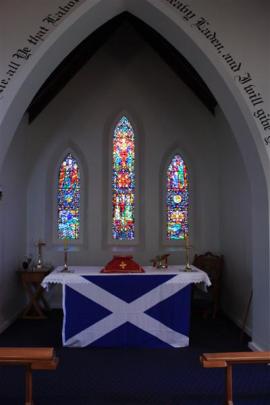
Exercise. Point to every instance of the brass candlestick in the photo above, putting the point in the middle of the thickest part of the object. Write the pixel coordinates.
(65, 268)
(187, 247)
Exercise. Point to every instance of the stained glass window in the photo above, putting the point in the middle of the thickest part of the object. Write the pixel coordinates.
(177, 199)
(68, 199)
(123, 181)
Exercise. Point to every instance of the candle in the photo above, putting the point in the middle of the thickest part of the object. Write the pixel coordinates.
(65, 244)
(186, 240)
(65, 255)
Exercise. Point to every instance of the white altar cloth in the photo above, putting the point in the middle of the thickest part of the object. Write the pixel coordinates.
(58, 277)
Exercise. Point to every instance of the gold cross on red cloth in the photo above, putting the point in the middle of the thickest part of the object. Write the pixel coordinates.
(123, 265)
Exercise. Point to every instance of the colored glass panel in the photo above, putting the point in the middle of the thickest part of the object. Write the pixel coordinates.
(123, 181)
(68, 199)
(177, 199)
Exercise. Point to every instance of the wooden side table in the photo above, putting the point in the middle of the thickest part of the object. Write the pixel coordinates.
(31, 281)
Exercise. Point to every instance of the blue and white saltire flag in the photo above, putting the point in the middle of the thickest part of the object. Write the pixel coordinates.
(121, 310)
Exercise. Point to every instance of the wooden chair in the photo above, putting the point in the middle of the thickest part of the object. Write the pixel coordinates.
(33, 358)
(208, 302)
(227, 360)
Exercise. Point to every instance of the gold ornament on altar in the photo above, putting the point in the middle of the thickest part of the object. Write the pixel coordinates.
(161, 261)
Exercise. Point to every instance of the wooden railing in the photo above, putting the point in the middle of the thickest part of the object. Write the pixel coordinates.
(227, 360)
(33, 358)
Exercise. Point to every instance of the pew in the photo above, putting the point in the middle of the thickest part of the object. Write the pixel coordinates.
(227, 360)
(32, 358)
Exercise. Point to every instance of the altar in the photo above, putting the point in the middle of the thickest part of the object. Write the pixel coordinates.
(150, 309)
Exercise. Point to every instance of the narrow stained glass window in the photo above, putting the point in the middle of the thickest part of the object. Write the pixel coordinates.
(177, 199)
(68, 199)
(123, 181)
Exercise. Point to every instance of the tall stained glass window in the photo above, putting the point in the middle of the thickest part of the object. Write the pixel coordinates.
(123, 181)
(68, 199)
(177, 199)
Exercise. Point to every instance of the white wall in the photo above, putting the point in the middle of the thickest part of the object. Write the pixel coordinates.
(243, 28)
(235, 227)
(13, 180)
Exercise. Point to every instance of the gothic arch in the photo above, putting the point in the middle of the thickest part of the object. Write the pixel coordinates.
(56, 158)
(176, 150)
(89, 17)
(109, 128)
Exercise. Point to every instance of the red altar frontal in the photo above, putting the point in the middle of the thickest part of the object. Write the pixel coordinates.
(122, 264)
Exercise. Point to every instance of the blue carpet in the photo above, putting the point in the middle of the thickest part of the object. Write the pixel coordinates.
(132, 376)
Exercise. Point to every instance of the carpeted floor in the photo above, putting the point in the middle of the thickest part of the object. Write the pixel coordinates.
(133, 376)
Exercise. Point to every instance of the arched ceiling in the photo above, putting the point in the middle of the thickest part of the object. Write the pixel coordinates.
(87, 48)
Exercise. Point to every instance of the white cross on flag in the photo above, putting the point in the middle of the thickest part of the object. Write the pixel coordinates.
(127, 310)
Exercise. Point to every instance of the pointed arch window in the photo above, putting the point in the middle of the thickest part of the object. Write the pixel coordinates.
(123, 181)
(177, 200)
(68, 199)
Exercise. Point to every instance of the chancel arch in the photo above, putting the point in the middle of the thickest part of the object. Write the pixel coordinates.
(89, 17)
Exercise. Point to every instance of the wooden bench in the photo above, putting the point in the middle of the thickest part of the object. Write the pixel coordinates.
(33, 358)
(227, 360)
